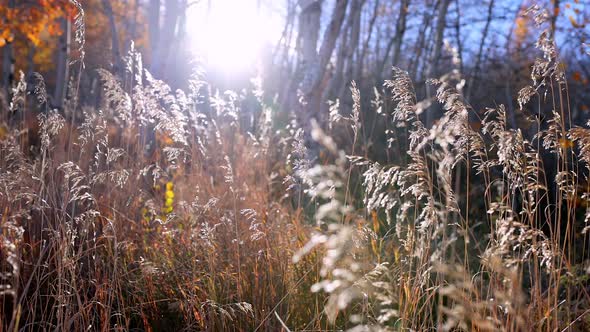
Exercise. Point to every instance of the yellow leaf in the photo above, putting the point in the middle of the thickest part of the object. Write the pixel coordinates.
(169, 194)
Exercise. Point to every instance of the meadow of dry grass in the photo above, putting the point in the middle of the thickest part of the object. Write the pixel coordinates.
(158, 211)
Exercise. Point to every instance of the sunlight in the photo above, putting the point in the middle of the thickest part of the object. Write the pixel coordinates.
(230, 35)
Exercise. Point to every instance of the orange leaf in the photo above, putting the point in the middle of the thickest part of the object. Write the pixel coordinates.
(34, 38)
(565, 143)
(475, 125)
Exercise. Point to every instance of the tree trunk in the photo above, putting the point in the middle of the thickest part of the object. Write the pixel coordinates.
(508, 69)
(62, 67)
(438, 41)
(31, 61)
(309, 30)
(480, 51)
(437, 51)
(115, 51)
(338, 74)
(365, 48)
(281, 53)
(282, 45)
(7, 65)
(166, 35)
(458, 36)
(133, 29)
(315, 73)
(176, 67)
(154, 27)
(355, 14)
(396, 42)
(400, 31)
(8, 61)
(554, 16)
(307, 41)
(414, 62)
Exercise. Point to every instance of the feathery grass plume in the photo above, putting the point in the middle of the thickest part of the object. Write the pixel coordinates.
(356, 109)
(403, 94)
(334, 115)
(39, 88)
(581, 136)
(19, 94)
(419, 201)
(299, 164)
(76, 185)
(79, 30)
(50, 123)
(97, 206)
(341, 269)
(471, 310)
(117, 101)
(16, 203)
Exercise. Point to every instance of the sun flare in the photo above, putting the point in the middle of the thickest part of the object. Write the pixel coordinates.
(230, 34)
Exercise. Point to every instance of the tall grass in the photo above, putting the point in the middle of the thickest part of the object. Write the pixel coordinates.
(193, 210)
(479, 227)
(155, 211)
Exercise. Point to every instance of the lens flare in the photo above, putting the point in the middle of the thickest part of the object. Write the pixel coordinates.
(230, 35)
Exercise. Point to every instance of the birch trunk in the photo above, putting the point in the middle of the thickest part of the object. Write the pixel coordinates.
(458, 36)
(62, 64)
(437, 51)
(315, 73)
(307, 41)
(166, 35)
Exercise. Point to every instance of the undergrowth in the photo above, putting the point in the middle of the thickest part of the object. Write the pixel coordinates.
(187, 210)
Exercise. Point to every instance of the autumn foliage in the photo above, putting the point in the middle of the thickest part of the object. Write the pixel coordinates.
(30, 19)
